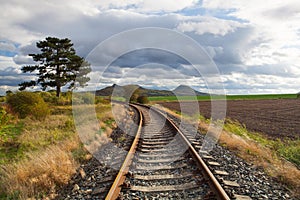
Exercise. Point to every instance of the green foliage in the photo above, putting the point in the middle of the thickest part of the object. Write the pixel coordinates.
(5, 117)
(143, 100)
(2, 99)
(84, 98)
(28, 104)
(49, 97)
(9, 131)
(134, 96)
(13, 196)
(64, 99)
(79, 154)
(101, 100)
(57, 66)
(290, 150)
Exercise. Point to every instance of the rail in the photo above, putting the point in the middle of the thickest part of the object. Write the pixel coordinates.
(116, 187)
(213, 182)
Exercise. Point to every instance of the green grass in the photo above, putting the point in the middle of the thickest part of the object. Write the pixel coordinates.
(228, 97)
(286, 148)
(18, 136)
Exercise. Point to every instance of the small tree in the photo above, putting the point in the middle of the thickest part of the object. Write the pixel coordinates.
(134, 96)
(57, 65)
(143, 99)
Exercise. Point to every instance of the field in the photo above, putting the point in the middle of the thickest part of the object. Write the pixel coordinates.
(276, 118)
(228, 97)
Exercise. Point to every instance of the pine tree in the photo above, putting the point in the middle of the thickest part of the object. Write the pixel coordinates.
(57, 66)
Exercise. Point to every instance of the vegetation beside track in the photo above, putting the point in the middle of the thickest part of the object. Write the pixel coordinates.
(37, 156)
(280, 159)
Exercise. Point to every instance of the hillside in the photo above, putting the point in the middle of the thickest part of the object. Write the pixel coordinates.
(184, 90)
(118, 90)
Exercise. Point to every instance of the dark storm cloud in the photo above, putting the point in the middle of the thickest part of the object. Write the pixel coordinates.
(11, 76)
(144, 56)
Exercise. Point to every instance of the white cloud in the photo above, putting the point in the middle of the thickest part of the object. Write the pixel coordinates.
(240, 83)
(7, 62)
(275, 21)
(164, 5)
(210, 25)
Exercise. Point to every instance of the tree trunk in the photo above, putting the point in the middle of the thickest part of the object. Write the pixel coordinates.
(58, 89)
(58, 85)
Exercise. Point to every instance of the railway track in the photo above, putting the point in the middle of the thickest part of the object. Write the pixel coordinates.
(165, 163)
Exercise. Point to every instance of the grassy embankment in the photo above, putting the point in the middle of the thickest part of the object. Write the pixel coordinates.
(37, 157)
(280, 158)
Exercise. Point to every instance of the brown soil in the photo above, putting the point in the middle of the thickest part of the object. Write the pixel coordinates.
(277, 118)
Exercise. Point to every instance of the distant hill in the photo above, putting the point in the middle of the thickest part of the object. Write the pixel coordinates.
(118, 90)
(184, 90)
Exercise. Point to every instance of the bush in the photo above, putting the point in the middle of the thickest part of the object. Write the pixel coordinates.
(84, 98)
(4, 117)
(28, 104)
(101, 100)
(2, 99)
(48, 97)
(142, 99)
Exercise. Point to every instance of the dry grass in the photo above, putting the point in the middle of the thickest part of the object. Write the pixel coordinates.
(55, 129)
(41, 172)
(261, 156)
(50, 154)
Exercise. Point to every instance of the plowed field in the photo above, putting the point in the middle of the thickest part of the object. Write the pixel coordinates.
(277, 118)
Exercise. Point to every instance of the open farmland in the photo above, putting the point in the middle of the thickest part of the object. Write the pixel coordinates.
(277, 118)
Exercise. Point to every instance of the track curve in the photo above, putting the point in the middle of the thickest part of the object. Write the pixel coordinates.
(163, 164)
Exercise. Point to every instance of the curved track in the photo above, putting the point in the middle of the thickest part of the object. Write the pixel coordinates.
(163, 164)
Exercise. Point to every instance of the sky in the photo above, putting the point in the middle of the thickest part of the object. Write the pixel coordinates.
(254, 45)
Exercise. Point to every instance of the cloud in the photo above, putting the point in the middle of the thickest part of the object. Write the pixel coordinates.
(23, 60)
(210, 25)
(7, 46)
(10, 71)
(12, 76)
(238, 83)
(257, 40)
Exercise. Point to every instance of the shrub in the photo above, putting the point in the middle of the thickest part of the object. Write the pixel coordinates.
(49, 97)
(2, 99)
(142, 99)
(28, 104)
(101, 100)
(84, 98)
(4, 117)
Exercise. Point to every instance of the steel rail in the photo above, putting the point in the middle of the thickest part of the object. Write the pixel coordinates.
(213, 182)
(116, 187)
